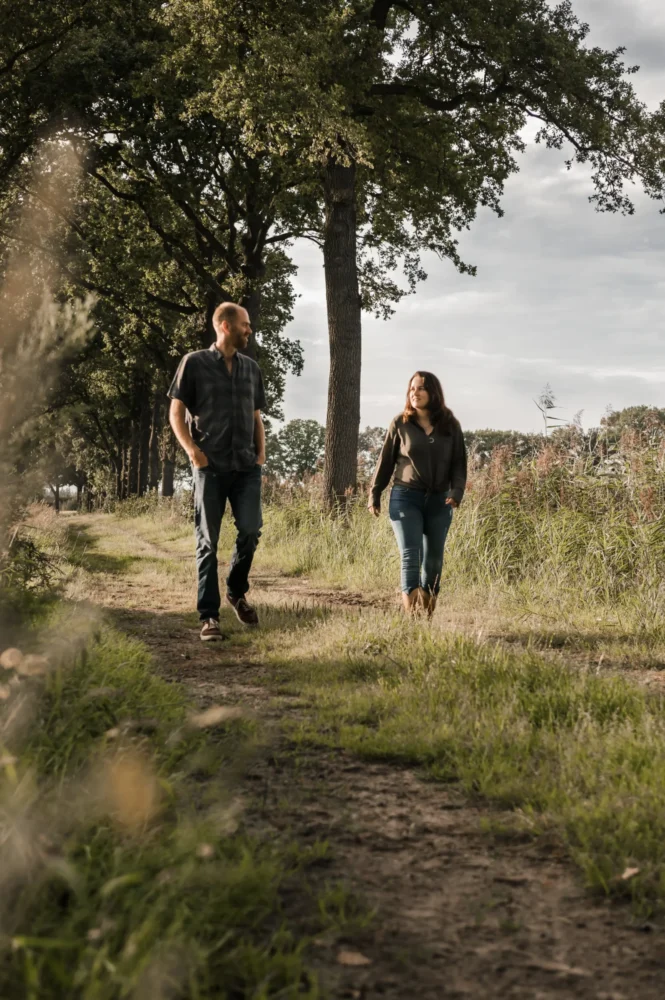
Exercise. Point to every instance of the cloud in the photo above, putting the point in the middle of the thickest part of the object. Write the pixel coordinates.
(656, 375)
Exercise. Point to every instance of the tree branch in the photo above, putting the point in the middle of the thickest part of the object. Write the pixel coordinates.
(25, 50)
(476, 97)
(278, 238)
(381, 9)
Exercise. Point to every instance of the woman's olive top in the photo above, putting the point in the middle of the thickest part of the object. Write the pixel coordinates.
(433, 462)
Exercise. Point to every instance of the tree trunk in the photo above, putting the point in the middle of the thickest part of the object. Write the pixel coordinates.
(124, 473)
(133, 464)
(168, 466)
(79, 489)
(56, 497)
(155, 434)
(144, 445)
(344, 333)
(117, 470)
(252, 303)
(208, 335)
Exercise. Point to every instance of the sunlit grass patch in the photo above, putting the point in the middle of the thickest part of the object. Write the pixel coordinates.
(577, 752)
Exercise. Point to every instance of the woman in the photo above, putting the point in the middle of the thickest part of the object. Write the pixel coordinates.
(425, 449)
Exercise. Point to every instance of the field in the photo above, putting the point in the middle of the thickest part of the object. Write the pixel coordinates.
(344, 803)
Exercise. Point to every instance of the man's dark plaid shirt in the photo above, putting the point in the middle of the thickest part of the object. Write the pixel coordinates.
(221, 405)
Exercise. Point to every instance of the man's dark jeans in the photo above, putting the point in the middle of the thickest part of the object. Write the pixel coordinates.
(211, 491)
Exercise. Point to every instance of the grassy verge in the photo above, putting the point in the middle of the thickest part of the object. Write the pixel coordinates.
(575, 750)
(124, 869)
(573, 753)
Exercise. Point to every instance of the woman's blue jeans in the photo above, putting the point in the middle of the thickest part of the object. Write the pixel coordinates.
(420, 521)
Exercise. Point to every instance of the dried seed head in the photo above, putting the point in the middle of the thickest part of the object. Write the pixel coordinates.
(33, 666)
(131, 790)
(215, 716)
(11, 659)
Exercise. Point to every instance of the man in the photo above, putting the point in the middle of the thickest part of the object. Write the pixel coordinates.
(217, 397)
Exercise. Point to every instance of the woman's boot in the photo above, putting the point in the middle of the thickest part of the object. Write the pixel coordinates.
(422, 602)
(410, 602)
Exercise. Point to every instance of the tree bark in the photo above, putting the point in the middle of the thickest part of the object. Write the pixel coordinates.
(168, 466)
(252, 303)
(155, 434)
(144, 445)
(117, 471)
(344, 332)
(124, 469)
(133, 465)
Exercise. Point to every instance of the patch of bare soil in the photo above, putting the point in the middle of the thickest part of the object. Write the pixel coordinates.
(458, 914)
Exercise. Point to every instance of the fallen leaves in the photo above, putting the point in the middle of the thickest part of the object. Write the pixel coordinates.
(629, 874)
(354, 958)
(558, 968)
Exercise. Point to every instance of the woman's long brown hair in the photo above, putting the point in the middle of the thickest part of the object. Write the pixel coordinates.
(442, 417)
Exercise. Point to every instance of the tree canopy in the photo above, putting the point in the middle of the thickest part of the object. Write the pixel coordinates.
(211, 135)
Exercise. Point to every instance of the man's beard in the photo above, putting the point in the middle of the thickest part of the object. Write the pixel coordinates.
(240, 341)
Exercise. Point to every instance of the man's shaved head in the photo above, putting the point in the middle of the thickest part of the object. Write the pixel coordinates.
(226, 312)
(232, 325)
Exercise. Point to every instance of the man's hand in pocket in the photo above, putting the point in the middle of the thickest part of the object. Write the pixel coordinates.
(199, 459)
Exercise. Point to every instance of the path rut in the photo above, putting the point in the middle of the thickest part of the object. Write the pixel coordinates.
(458, 913)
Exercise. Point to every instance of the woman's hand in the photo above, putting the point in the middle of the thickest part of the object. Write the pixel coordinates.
(374, 511)
(452, 502)
(261, 459)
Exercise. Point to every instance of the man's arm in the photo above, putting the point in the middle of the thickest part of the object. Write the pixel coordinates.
(181, 431)
(259, 438)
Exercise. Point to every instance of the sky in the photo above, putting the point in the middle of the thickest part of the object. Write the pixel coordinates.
(564, 295)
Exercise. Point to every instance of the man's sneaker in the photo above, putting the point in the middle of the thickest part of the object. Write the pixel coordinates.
(245, 613)
(210, 631)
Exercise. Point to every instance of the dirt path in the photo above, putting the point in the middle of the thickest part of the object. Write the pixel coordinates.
(458, 914)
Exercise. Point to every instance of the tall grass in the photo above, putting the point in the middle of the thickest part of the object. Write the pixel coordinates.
(551, 537)
(124, 868)
(554, 533)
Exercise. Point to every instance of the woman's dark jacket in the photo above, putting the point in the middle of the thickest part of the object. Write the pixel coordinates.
(433, 462)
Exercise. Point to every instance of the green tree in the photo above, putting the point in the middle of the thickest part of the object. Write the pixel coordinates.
(370, 443)
(296, 451)
(223, 130)
(174, 213)
(482, 443)
(646, 423)
(412, 116)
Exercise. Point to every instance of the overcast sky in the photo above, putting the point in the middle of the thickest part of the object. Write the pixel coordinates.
(563, 294)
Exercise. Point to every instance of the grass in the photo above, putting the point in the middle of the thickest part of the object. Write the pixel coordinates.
(546, 556)
(574, 753)
(124, 868)
(552, 587)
